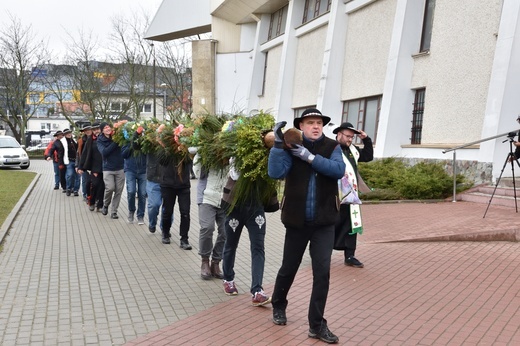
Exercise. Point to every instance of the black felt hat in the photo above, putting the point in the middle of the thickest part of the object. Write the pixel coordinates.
(346, 126)
(311, 112)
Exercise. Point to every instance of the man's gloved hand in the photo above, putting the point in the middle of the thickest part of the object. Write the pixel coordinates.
(303, 153)
(278, 134)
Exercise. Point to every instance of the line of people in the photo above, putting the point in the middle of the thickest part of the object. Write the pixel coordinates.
(311, 210)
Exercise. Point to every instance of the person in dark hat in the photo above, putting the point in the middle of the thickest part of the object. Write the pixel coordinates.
(350, 222)
(68, 158)
(91, 161)
(113, 170)
(86, 132)
(51, 154)
(310, 210)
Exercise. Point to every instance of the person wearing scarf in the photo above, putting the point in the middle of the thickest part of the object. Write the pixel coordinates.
(350, 223)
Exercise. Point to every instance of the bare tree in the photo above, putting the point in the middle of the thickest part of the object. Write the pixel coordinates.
(22, 58)
(94, 81)
(134, 54)
(174, 72)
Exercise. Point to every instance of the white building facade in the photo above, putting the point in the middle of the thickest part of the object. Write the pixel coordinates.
(419, 76)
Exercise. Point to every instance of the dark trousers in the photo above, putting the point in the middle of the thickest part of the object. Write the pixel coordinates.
(97, 190)
(253, 218)
(63, 180)
(321, 240)
(169, 194)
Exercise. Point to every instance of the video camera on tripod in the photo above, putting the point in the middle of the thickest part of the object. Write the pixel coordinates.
(511, 158)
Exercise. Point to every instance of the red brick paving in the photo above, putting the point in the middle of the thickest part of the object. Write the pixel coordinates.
(409, 293)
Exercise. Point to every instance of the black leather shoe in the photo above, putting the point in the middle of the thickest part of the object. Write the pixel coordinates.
(353, 262)
(166, 240)
(324, 335)
(151, 229)
(185, 245)
(114, 216)
(91, 207)
(104, 211)
(76, 194)
(68, 192)
(56, 187)
(279, 317)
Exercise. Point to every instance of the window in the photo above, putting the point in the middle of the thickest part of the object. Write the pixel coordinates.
(314, 9)
(363, 114)
(277, 23)
(117, 106)
(298, 111)
(426, 36)
(417, 116)
(147, 108)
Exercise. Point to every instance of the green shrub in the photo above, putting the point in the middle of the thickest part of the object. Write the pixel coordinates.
(390, 178)
(36, 154)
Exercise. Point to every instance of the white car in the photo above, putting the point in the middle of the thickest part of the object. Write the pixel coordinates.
(12, 154)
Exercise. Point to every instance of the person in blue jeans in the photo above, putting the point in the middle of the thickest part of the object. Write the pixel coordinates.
(135, 176)
(153, 191)
(68, 157)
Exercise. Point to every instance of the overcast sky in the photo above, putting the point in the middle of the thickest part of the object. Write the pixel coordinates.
(51, 20)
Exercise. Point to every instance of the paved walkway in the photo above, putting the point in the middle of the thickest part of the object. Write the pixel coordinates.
(74, 277)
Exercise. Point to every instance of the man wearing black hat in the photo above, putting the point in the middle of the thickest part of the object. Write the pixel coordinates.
(92, 161)
(310, 209)
(86, 132)
(51, 153)
(349, 224)
(68, 158)
(113, 170)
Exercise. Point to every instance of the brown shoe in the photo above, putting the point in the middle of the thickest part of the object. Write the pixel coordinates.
(215, 270)
(205, 271)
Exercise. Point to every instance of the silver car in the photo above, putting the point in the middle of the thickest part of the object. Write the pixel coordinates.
(12, 154)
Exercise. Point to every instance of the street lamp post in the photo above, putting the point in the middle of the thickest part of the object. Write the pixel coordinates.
(154, 84)
(163, 87)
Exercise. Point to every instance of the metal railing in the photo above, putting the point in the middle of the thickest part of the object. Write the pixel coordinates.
(464, 146)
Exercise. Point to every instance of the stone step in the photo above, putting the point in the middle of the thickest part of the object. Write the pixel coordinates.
(484, 198)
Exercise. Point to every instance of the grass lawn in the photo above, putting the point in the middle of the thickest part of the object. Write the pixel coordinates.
(13, 184)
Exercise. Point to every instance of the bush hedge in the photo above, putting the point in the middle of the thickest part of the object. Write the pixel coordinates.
(392, 179)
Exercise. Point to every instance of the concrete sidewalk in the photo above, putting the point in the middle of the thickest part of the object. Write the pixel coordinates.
(71, 276)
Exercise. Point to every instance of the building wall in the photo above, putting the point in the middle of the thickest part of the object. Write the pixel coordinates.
(227, 34)
(267, 100)
(457, 71)
(233, 82)
(369, 32)
(309, 60)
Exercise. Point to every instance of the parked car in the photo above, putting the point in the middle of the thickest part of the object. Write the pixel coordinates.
(12, 153)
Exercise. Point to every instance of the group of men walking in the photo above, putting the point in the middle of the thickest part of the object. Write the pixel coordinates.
(312, 210)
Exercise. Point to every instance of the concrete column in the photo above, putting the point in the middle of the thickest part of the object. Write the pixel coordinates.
(203, 76)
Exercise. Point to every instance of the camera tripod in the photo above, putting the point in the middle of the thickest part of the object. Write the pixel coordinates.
(510, 158)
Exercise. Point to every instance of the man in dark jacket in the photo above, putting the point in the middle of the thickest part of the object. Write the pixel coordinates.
(345, 233)
(86, 132)
(67, 156)
(51, 154)
(175, 184)
(309, 211)
(92, 162)
(113, 170)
